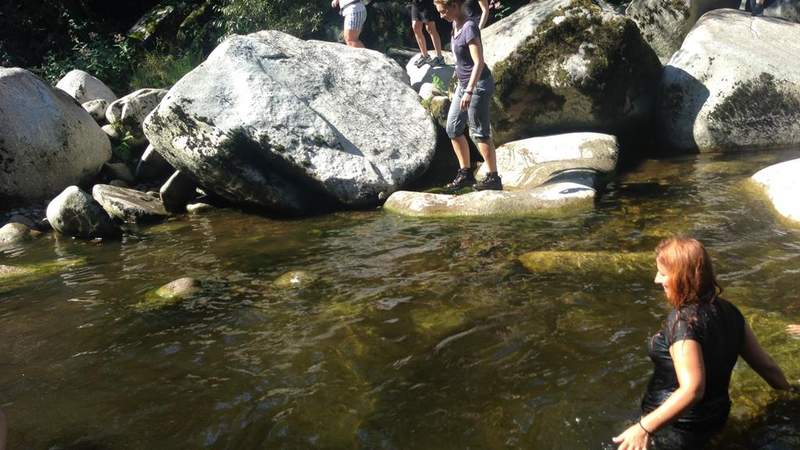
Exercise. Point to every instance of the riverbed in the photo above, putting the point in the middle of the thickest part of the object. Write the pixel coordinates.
(414, 334)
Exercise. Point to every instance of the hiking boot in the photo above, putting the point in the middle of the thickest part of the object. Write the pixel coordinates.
(464, 179)
(423, 60)
(438, 61)
(492, 182)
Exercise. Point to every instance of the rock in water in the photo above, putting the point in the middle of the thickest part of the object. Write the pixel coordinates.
(569, 65)
(47, 140)
(295, 280)
(294, 126)
(128, 205)
(780, 183)
(83, 87)
(731, 87)
(13, 233)
(74, 213)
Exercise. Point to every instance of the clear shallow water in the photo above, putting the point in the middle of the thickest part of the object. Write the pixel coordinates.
(423, 334)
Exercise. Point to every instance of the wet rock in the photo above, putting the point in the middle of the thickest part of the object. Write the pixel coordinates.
(97, 109)
(152, 165)
(532, 162)
(440, 75)
(566, 65)
(128, 205)
(729, 87)
(14, 233)
(552, 199)
(198, 208)
(170, 294)
(83, 87)
(17, 218)
(578, 261)
(74, 213)
(15, 277)
(780, 184)
(119, 171)
(179, 190)
(258, 125)
(131, 110)
(295, 280)
(47, 141)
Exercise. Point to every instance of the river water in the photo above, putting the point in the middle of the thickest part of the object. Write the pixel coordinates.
(417, 334)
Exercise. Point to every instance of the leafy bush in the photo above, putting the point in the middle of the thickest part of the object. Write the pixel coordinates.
(301, 18)
(164, 67)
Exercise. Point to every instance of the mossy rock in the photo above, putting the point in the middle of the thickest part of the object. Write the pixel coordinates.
(555, 261)
(170, 294)
(296, 279)
(13, 277)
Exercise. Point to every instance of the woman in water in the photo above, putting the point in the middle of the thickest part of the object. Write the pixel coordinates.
(687, 400)
(471, 100)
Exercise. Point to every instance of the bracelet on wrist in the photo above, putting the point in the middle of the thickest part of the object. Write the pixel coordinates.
(468, 92)
(643, 428)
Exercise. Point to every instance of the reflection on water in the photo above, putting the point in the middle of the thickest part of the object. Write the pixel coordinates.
(415, 334)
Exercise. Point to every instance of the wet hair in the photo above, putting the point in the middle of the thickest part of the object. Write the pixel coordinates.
(449, 3)
(691, 277)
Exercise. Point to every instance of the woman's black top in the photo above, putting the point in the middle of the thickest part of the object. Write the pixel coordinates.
(719, 329)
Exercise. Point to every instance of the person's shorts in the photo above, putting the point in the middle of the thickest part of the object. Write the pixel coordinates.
(476, 115)
(355, 14)
(423, 11)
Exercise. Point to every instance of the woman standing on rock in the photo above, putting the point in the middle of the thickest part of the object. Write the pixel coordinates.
(355, 15)
(422, 12)
(471, 101)
(687, 402)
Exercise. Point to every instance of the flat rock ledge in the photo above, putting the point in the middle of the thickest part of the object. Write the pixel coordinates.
(779, 182)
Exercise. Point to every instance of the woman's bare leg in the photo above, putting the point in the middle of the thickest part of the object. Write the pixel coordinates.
(437, 42)
(416, 25)
(351, 37)
(461, 149)
(489, 155)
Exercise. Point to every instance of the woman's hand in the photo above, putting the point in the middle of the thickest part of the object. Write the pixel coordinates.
(793, 329)
(334, 3)
(634, 438)
(465, 98)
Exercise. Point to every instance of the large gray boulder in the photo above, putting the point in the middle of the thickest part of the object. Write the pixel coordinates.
(83, 87)
(294, 126)
(779, 182)
(663, 24)
(731, 87)
(128, 205)
(47, 140)
(74, 213)
(569, 65)
(436, 75)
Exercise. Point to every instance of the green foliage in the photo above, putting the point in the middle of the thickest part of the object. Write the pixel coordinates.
(301, 18)
(124, 150)
(163, 67)
(438, 83)
(107, 58)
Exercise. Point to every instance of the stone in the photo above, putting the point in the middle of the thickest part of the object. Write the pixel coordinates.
(779, 182)
(295, 280)
(152, 21)
(20, 277)
(128, 205)
(438, 107)
(83, 87)
(436, 75)
(74, 213)
(179, 190)
(170, 294)
(569, 65)
(131, 110)
(14, 233)
(257, 125)
(663, 24)
(97, 109)
(152, 165)
(119, 183)
(427, 91)
(119, 171)
(529, 163)
(47, 141)
(552, 199)
(198, 208)
(114, 132)
(782, 9)
(729, 87)
(587, 261)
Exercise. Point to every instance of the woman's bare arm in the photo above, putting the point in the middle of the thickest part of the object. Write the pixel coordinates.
(760, 361)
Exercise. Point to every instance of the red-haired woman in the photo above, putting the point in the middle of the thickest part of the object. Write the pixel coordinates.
(687, 400)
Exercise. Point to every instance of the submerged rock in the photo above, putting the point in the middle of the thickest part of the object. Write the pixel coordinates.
(128, 205)
(577, 261)
(14, 277)
(47, 140)
(529, 163)
(74, 213)
(569, 65)
(781, 186)
(730, 86)
(170, 294)
(257, 124)
(83, 87)
(295, 280)
(547, 200)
